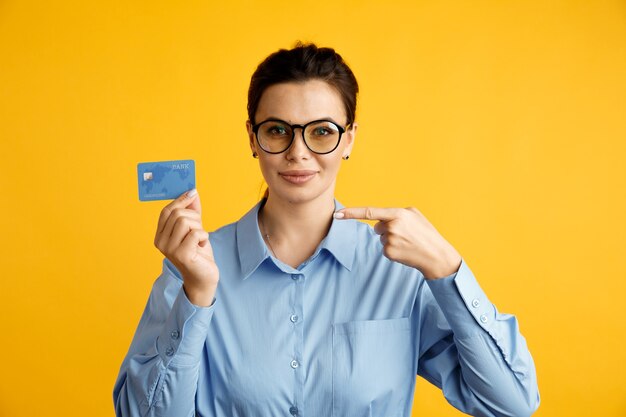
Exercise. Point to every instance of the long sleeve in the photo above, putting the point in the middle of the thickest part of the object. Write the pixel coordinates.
(342, 335)
(475, 354)
(159, 374)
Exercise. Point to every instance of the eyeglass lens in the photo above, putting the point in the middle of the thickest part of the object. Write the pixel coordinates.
(321, 137)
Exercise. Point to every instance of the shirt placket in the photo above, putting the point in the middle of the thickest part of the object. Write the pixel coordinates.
(296, 321)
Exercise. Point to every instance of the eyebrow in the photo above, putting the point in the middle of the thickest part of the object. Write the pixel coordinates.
(291, 123)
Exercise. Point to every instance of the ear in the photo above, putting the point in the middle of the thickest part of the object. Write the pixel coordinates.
(350, 135)
(252, 142)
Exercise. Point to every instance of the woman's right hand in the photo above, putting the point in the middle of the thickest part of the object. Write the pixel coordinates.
(181, 238)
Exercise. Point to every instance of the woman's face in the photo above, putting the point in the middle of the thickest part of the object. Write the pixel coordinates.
(300, 103)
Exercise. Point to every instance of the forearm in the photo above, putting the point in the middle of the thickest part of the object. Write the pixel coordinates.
(489, 360)
(160, 372)
(149, 388)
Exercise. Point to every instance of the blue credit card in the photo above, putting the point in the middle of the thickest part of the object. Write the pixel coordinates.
(165, 180)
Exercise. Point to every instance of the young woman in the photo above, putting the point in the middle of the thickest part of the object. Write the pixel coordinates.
(299, 309)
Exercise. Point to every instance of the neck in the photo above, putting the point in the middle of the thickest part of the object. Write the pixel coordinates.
(288, 223)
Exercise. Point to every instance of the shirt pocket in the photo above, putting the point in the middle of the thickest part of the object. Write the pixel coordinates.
(372, 368)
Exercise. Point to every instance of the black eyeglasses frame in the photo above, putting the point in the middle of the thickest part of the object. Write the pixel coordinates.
(342, 130)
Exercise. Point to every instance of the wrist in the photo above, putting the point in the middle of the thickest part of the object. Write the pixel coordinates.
(447, 266)
(201, 297)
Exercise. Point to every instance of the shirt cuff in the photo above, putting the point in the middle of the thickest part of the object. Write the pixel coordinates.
(463, 302)
(184, 333)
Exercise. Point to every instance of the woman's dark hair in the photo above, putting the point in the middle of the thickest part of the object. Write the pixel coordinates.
(302, 63)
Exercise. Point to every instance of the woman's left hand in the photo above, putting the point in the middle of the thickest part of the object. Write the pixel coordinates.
(409, 238)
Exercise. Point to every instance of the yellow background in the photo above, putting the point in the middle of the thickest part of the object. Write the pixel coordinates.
(503, 122)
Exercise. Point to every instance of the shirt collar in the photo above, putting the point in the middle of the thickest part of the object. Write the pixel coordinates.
(340, 241)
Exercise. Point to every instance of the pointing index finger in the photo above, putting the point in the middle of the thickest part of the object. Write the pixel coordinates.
(366, 213)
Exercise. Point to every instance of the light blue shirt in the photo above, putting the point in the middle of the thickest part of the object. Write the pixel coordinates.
(344, 334)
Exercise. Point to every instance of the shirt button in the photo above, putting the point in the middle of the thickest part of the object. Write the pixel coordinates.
(295, 277)
(483, 318)
(294, 364)
(293, 318)
(169, 351)
(475, 303)
(175, 334)
(293, 411)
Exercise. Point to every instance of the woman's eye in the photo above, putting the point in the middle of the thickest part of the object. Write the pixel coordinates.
(277, 130)
(321, 131)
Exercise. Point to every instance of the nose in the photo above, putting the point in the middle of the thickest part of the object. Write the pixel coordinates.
(298, 148)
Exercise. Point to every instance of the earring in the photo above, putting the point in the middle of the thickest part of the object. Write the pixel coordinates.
(346, 157)
(254, 155)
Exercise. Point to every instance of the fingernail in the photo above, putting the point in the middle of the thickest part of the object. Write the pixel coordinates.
(191, 193)
(338, 215)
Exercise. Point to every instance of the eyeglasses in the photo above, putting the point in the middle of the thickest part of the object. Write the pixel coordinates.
(276, 136)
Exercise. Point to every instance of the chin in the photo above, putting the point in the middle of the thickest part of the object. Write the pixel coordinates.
(300, 195)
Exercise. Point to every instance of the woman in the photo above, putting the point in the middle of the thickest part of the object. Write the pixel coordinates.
(294, 311)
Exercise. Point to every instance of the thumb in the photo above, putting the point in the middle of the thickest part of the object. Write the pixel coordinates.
(190, 200)
(194, 201)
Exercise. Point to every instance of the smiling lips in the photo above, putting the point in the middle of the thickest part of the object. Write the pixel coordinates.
(298, 177)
